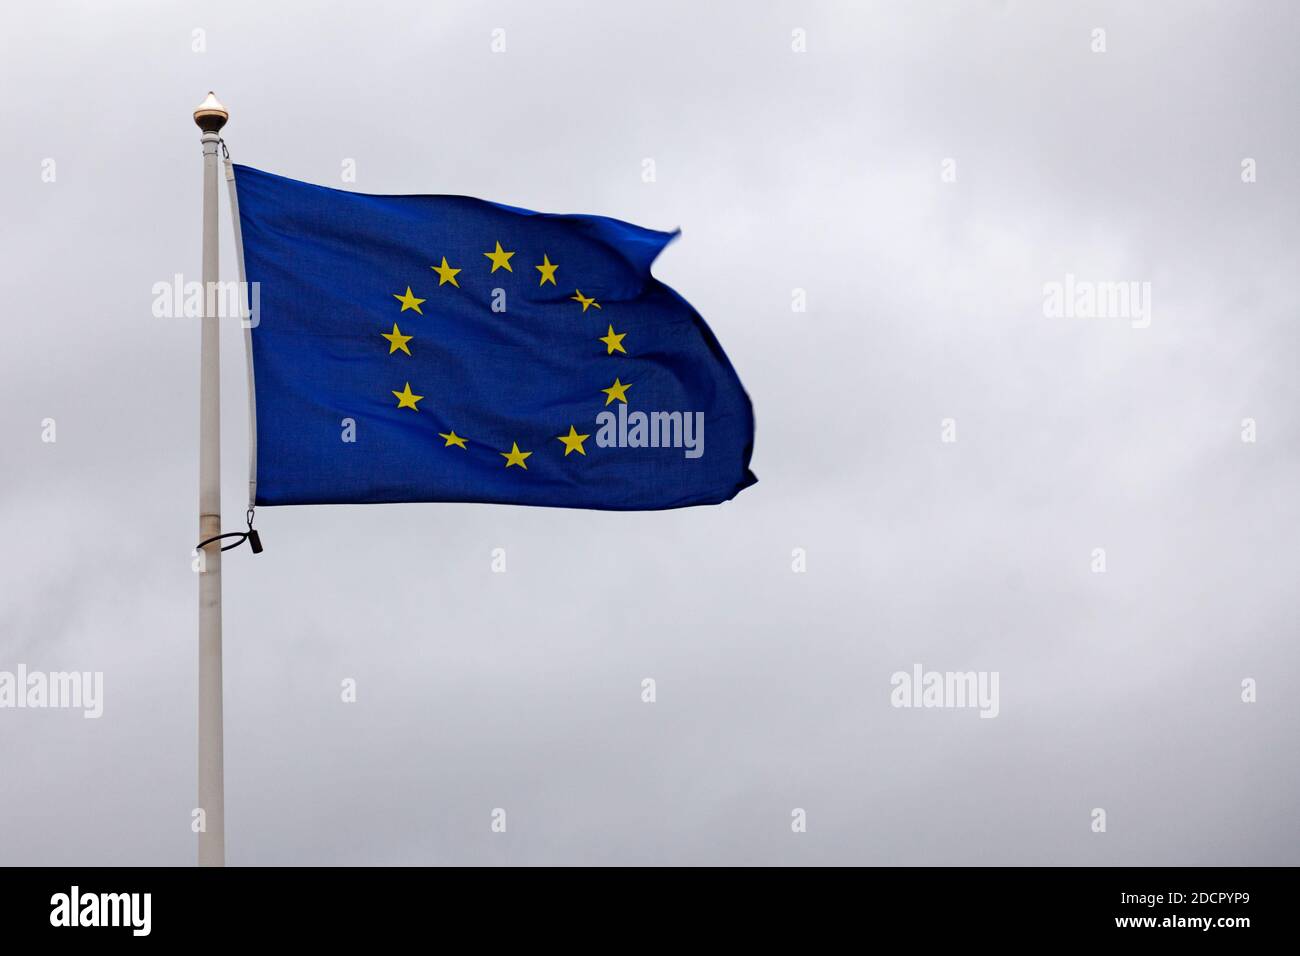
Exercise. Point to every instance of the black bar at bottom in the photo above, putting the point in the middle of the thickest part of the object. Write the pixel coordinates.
(664, 904)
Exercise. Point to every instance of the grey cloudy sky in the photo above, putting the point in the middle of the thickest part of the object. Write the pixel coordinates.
(818, 170)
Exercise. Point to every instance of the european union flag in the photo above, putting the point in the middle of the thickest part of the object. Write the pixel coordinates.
(441, 348)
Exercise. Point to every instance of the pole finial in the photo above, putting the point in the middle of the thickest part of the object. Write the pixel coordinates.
(211, 115)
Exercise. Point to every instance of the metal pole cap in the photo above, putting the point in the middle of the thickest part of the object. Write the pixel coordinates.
(211, 115)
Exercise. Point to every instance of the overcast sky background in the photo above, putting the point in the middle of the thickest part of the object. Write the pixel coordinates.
(817, 170)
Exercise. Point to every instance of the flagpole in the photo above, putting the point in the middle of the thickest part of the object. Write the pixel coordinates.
(210, 116)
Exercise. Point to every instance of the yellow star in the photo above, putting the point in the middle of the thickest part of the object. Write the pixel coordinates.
(397, 340)
(406, 400)
(617, 390)
(409, 301)
(573, 442)
(515, 457)
(614, 342)
(500, 259)
(453, 439)
(446, 274)
(547, 269)
(584, 300)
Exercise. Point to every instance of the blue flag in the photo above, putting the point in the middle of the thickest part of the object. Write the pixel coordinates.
(441, 348)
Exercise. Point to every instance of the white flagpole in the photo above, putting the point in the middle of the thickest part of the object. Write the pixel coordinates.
(211, 116)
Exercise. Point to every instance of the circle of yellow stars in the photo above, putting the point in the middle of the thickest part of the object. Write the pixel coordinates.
(500, 259)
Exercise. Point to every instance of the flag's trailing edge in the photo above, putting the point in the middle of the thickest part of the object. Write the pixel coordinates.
(442, 348)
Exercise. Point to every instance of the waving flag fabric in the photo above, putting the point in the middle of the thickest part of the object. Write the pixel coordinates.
(442, 348)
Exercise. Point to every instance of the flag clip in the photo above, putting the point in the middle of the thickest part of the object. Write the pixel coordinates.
(251, 536)
(254, 539)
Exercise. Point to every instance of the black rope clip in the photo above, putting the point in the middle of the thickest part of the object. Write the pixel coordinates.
(251, 536)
